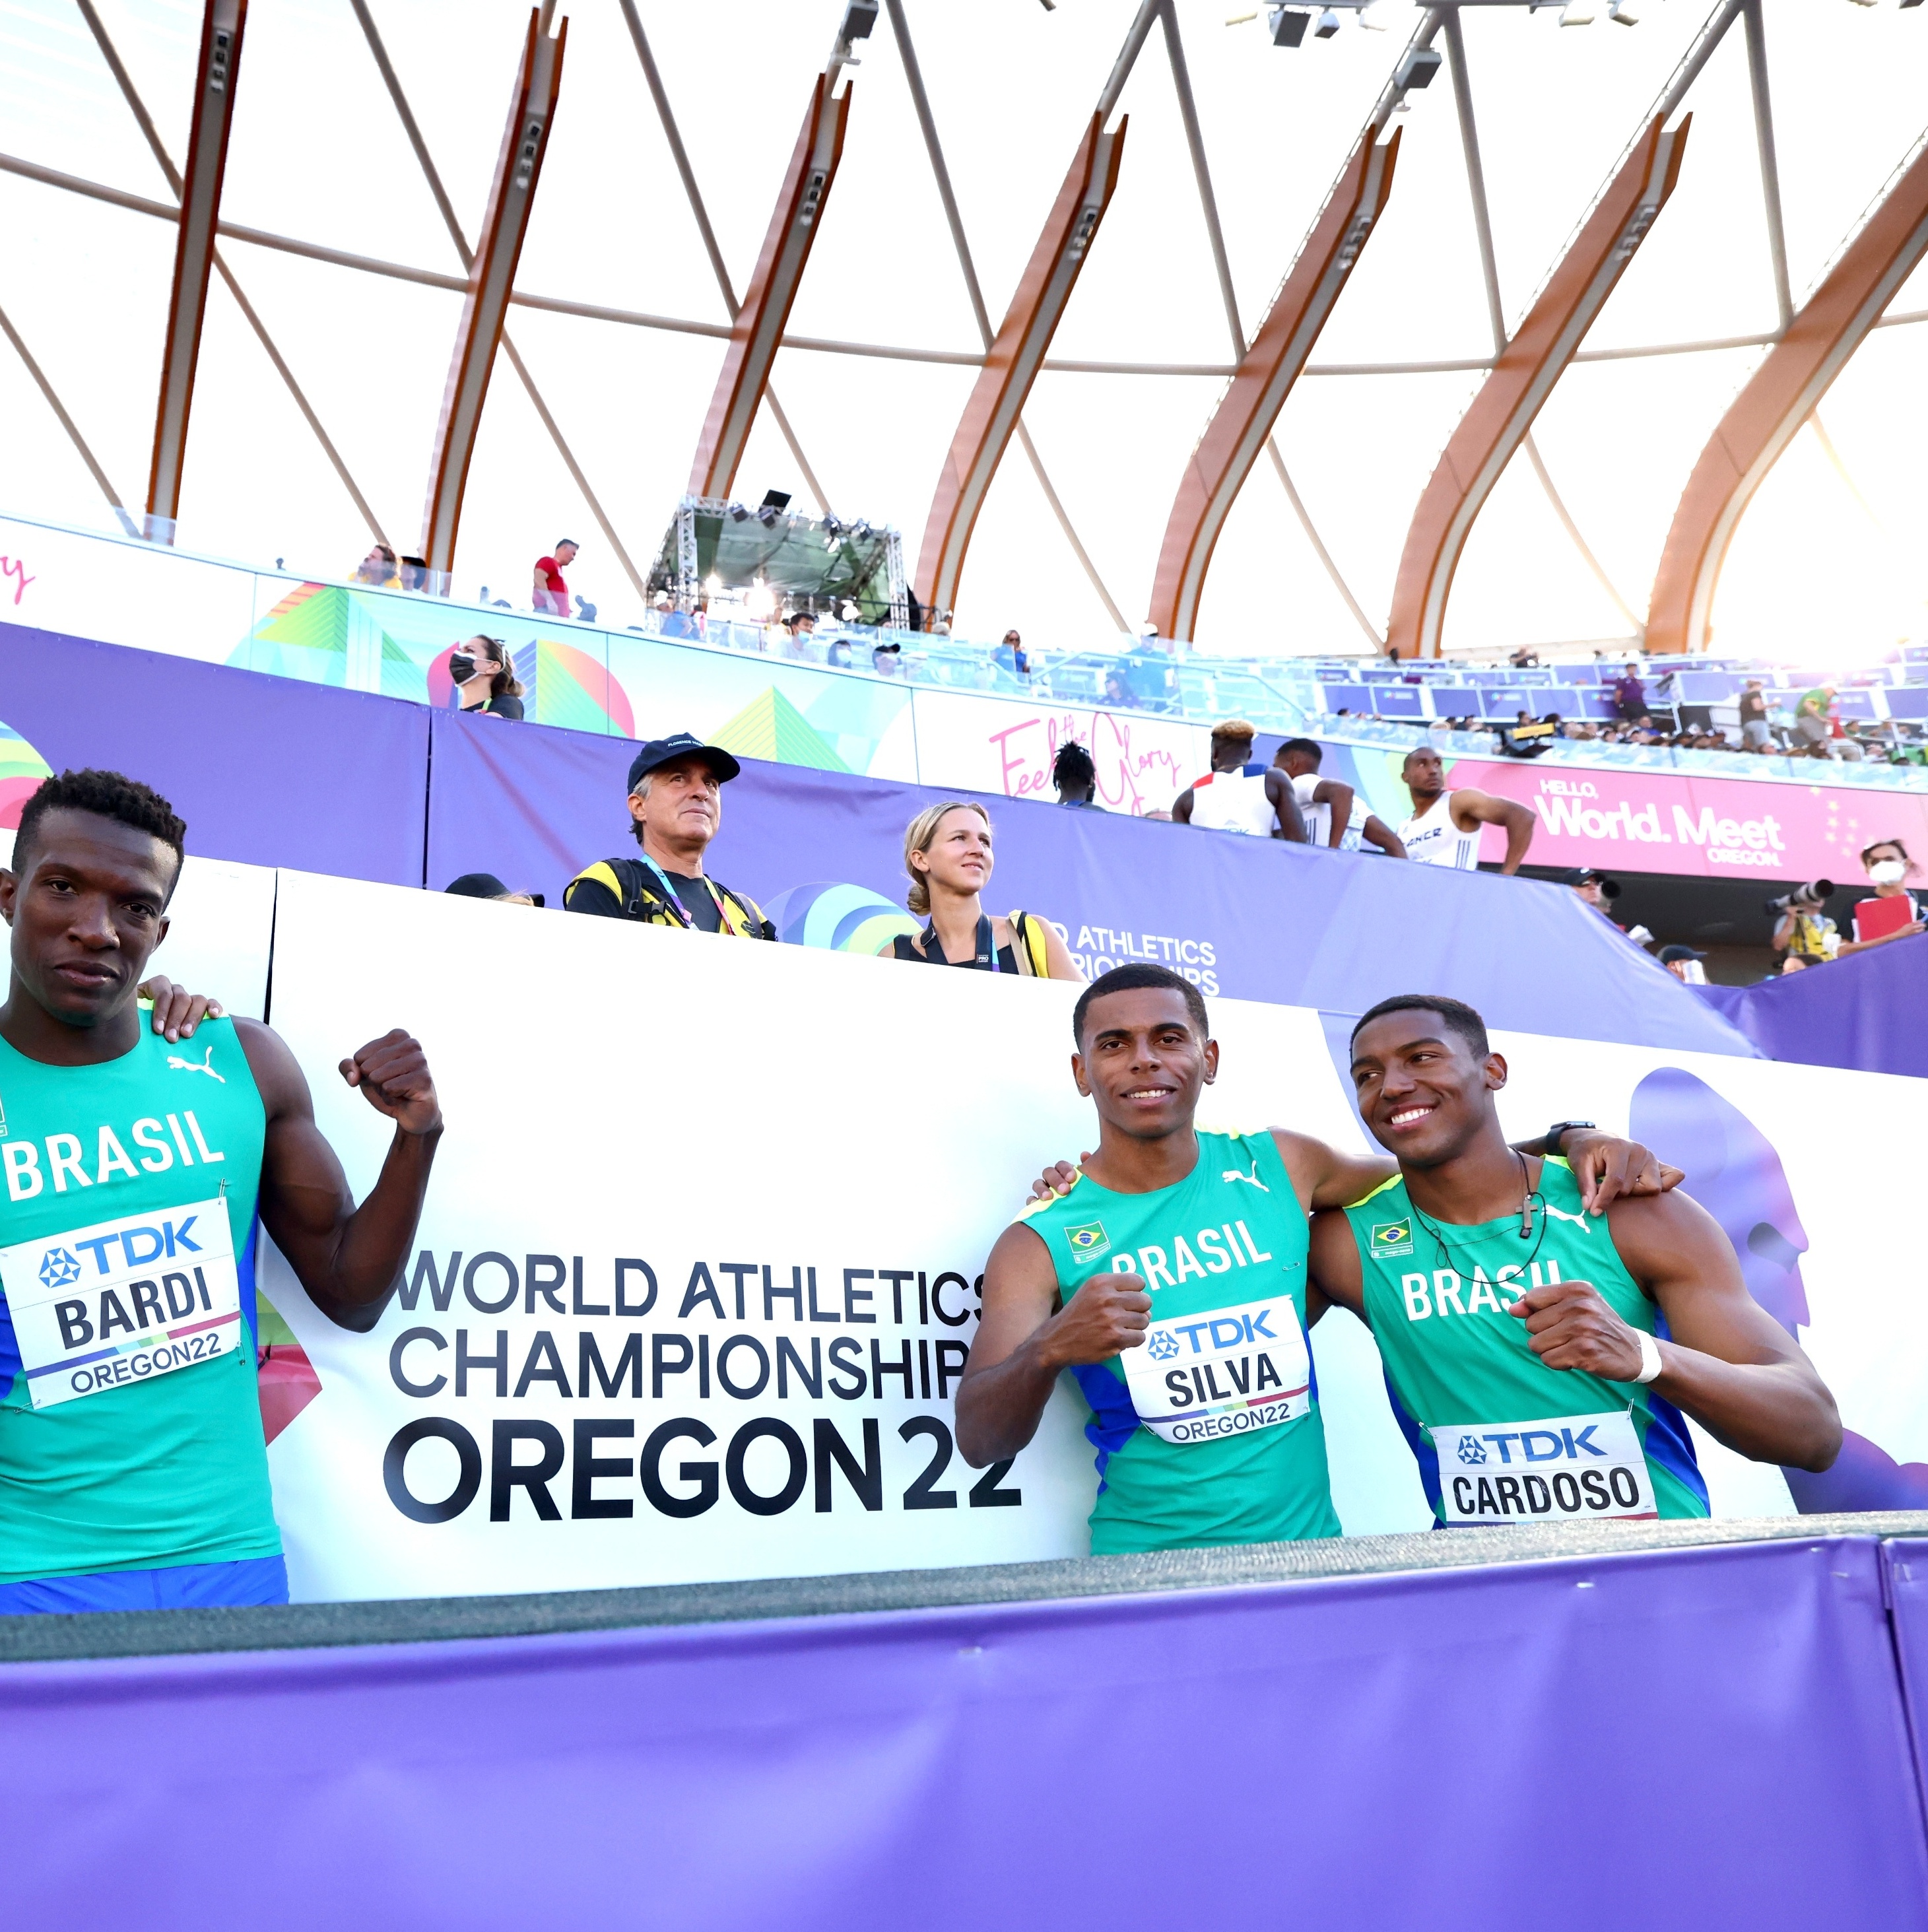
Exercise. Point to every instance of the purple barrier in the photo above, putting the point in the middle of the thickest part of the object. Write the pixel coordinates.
(1257, 919)
(264, 770)
(1905, 1562)
(1863, 1011)
(1690, 1738)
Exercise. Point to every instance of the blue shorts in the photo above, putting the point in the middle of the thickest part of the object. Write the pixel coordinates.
(182, 1586)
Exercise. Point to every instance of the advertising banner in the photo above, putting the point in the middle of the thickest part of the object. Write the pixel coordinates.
(701, 1263)
(999, 745)
(1256, 918)
(1651, 821)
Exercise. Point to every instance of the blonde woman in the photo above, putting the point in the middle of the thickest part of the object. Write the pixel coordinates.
(947, 855)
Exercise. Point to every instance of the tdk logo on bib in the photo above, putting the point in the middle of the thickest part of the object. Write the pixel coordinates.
(1564, 1467)
(59, 1270)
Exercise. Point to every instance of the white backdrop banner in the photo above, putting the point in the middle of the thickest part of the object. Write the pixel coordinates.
(700, 1262)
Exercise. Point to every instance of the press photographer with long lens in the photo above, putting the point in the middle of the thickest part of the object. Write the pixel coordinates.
(1802, 931)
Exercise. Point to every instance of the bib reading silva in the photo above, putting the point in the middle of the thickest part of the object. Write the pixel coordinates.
(129, 1427)
(1500, 1437)
(1210, 1433)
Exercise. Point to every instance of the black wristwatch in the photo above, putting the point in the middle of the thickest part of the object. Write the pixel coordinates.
(1557, 1131)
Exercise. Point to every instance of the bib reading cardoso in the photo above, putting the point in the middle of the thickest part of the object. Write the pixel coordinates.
(1200, 1378)
(1563, 1468)
(123, 1301)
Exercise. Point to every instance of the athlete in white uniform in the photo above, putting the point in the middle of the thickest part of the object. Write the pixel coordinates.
(1324, 800)
(1444, 828)
(1236, 795)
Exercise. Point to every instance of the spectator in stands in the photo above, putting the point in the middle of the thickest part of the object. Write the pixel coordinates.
(1445, 827)
(1887, 865)
(1236, 795)
(378, 568)
(1118, 696)
(1684, 963)
(1335, 816)
(887, 660)
(1629, 701)
(802, 627)
(551, 594)
(1075, 773)
(485, 679)
(838, 655)
(947, 855)
(675, 805)
(487, 885)
(1011, 654)
(1811, 719)
(1525, 658)
(1754, 733)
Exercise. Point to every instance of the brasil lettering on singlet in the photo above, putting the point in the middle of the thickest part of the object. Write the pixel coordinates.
(130, 1433)
(1210, 1433)
(1499, 1436)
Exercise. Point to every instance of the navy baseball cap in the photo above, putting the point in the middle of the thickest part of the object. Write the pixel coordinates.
(656, 752)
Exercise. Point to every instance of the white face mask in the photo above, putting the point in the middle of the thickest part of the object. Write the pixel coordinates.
(1888, 871)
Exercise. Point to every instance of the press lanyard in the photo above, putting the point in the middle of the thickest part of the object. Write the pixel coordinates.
(674, 899)
(986, 957)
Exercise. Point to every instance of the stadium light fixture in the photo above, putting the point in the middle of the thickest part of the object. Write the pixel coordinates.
(1416, 70)
(1288, 26)
(1328, 24)
(1578, 13)
(1623, 13)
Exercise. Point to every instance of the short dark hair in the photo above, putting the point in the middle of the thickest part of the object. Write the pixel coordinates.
(1459, 1016)
(107, 795)
(1420, 751)
(1073, 765)
(570, 541)
(1129, 978)
(1311, 747)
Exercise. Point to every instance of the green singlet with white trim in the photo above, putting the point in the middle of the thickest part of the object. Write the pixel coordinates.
(1499, 1436)
(130, 1433)
(1210, 1433)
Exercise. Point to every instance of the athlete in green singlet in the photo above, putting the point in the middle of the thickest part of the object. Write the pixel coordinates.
(1540, 1360)
(1169, 1278)
(133, 1167)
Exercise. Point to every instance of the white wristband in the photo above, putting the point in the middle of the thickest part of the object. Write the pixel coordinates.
(1651, 1363)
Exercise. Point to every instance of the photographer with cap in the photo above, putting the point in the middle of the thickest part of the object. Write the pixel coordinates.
(1593, 888)
(676, 800)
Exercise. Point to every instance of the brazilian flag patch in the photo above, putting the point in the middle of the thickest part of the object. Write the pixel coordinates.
(1391, 1239)
(1089, 1241)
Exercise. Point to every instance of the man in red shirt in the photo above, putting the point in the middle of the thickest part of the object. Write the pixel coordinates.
(551, 593)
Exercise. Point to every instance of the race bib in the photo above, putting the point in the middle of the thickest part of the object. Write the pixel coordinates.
(1199, 1378)
(123, 1301)
(1570, 1467)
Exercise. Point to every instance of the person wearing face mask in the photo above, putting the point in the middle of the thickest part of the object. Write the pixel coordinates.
(1894, 912)
(947, 854)
(485, 680)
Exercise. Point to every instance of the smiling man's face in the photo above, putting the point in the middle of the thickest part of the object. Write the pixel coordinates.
(1144, 1062)
(87, 911)
(1423, 1092)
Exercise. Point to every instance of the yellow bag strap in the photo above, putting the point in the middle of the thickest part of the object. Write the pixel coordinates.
(1029, 951)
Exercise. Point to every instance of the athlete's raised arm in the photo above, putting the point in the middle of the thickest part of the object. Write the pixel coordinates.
(1607, 1169)
(1471, 808)
(1021, 1345)
(348, 1258)
(1332, 1273)
(1728, 1363)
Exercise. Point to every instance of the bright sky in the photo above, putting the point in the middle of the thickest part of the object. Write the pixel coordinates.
(1828, 566)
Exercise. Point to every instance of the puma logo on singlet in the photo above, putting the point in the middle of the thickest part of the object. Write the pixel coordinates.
(1250, 1180)
(1581, 1221)
(198, 1065)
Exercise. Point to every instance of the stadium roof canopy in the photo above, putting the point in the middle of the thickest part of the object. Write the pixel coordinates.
(333, 233)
